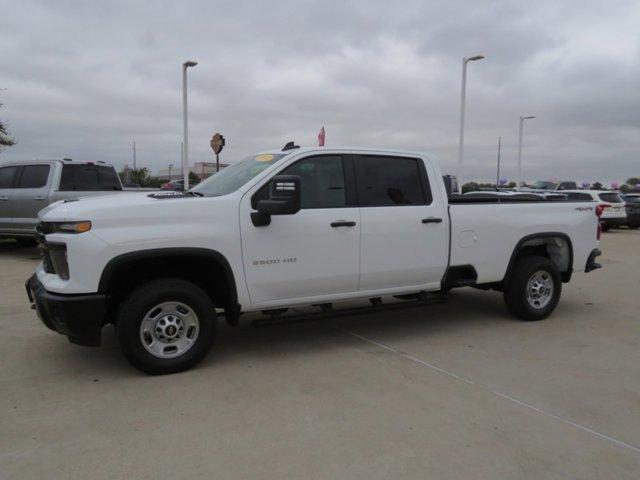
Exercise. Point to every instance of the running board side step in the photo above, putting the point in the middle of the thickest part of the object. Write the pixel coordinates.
(422, 299)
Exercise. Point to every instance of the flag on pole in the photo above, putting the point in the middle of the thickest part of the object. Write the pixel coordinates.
(321, 137)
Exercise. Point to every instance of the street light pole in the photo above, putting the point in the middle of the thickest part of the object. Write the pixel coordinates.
(522, 119)
(463, 95)
(185, 128)
(170, 165)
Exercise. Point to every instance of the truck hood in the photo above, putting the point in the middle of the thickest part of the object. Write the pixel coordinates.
(126, 207)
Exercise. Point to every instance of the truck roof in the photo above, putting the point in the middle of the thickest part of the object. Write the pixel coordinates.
(65, 161)
(354, 149)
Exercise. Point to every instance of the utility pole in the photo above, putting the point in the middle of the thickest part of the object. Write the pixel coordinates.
(185, 128)
(498, 173)
(522, 119)
(134, 154)
(463, 97)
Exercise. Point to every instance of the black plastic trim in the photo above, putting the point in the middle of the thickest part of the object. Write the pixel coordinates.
(120, 260)
(566, 276)
(79, 317)
(591, 264)
(460, 276)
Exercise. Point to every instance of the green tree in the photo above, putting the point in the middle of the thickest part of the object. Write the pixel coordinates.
(5, 139)
(141, 177)
(633, 181)
(470, 187)
(193, 179)
(597, 186)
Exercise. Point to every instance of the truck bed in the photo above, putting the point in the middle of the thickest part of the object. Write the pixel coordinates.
(485, 231)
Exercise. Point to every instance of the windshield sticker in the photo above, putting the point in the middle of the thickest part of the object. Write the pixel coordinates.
(264, 158)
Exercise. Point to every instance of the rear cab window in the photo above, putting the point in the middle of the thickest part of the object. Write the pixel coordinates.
(576, 197)
(89, 177)
(391, 181)
(610, 197)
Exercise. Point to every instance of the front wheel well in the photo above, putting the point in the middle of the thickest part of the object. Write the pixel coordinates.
(209, 271)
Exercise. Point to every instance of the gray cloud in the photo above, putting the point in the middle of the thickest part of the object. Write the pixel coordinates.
(84, 79)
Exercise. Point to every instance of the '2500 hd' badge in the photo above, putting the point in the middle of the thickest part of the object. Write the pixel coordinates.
(274, 261)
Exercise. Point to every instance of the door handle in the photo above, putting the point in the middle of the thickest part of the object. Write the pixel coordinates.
(343, 223)
(38, 198)
(432, 220)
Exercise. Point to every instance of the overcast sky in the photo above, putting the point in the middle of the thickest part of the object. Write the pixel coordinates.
(84, 79)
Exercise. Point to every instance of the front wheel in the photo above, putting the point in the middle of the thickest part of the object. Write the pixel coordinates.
(166, 326)
(533, 288)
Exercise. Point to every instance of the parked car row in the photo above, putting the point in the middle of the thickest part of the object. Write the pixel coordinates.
(632, 206)
(617, 209)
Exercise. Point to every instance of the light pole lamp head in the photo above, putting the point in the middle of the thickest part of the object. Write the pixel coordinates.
(528, 117)
(189, 63)
(474, 58)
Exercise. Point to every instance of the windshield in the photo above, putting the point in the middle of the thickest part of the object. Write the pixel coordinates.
(542, 185)
(237, 174)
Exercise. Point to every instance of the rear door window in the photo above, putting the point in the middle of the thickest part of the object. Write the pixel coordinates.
(7, 174)
(391, 181)
(610, 197)
(34, 176)
(89, 177)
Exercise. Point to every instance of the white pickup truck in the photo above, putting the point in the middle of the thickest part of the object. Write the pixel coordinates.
(294, 227)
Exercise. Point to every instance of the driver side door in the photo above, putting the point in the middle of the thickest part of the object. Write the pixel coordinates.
(311, 255)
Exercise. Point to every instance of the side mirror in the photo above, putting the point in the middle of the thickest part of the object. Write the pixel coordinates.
(284, 199)
(450, 184)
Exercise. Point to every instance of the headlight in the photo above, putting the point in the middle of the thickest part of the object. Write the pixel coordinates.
(71, 227)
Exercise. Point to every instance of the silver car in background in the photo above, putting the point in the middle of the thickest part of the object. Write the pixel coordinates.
(28, 187)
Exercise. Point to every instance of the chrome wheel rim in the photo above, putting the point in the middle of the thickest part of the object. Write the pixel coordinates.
(169, 329)
(540, 289)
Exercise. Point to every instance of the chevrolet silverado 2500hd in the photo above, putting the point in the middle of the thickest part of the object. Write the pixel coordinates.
(302, 226)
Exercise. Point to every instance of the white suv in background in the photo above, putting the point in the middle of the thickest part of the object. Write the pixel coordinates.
(614, 213)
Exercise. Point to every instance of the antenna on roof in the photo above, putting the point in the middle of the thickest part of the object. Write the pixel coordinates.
(290, 146)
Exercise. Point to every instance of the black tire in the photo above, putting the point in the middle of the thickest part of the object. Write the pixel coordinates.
(634, 226)
(134, 310)
(606, 228)
(515, 288)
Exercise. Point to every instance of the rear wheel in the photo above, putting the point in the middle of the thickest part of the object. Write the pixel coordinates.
(166, 326)
(533, 288)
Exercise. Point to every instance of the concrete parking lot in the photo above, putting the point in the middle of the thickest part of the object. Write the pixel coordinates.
(450, 391)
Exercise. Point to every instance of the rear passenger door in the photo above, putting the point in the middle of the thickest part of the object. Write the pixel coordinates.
(404, 232)
(30, 196)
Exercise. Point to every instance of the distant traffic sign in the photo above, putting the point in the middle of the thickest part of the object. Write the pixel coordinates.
(217, 143)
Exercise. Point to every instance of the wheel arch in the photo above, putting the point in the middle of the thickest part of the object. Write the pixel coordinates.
(556, 246)
(207, 268)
